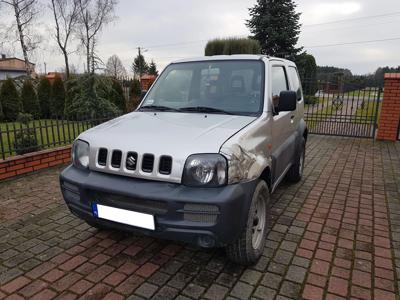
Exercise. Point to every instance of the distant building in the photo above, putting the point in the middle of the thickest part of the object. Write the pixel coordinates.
(13, 67)
(146, 81)
(51, 76)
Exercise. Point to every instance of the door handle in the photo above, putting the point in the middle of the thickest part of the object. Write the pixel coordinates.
(292, 117)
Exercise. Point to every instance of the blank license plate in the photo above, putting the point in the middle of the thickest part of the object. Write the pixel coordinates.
(123, 216)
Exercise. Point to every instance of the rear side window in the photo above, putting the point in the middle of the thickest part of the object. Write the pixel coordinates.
(279, 83)
(295, 80)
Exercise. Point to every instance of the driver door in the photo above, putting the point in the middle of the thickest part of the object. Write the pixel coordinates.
(282, 125)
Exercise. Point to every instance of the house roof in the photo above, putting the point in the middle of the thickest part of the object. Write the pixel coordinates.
(14, 58)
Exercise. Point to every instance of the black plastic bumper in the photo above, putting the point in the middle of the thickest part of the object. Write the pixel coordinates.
(203, 216)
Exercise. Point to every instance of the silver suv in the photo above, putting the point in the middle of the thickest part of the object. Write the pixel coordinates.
(198, 159)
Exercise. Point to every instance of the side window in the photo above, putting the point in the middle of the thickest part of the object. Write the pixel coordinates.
(279, 83)
(295, 80)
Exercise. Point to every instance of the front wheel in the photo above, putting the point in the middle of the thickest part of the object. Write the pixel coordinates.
(250, 245)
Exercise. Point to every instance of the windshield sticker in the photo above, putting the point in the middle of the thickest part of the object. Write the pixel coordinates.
(150, 102)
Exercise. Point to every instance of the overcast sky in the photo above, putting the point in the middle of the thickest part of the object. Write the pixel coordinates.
(174, 29)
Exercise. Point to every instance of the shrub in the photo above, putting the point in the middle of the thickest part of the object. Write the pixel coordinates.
(57, 98)
(311, 100)
(88, 97)
(24, 118)
(25, 139)
(135, 92)
(230, 46)
(44, 96)
(29, 99)
(71, 91)
(117, 95)
(11, 103)
(1, 111)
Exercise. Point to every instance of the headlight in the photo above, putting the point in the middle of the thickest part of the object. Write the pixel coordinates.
(208, 170)
(80, 154)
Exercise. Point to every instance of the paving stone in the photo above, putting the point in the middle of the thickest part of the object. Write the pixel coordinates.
(146, 290)
(216, 292)
(296, 274)
(193, 290)
(264, 293)
(251, 277)
(290, 289)
(242, 290)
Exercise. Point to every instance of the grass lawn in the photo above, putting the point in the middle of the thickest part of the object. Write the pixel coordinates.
(320, 115)
(49, 133)
(367, 114)
(367, 92)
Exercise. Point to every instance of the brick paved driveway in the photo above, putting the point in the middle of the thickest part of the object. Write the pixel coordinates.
(336, 235)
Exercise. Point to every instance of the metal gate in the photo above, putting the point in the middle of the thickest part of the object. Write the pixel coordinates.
(340, 109)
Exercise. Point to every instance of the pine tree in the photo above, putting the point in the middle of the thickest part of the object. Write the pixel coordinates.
(140, 66)
(30, 100)
(10, 100)
(44, 96)
(275, 24)
(58, 97)
(153, 68)
(117, 95)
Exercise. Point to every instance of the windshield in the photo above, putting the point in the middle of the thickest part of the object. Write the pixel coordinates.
(231, 87)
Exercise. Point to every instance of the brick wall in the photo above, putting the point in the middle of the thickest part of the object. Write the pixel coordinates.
(390, 111)
(31, 162)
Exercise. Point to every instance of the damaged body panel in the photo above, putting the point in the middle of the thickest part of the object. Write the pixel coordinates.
(249, 153)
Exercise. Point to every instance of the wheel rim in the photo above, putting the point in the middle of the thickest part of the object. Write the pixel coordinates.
(259, 222)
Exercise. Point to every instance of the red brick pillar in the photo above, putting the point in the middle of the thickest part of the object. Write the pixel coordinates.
(390, 110)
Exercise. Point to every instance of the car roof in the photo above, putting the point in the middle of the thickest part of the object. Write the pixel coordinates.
(232, 57)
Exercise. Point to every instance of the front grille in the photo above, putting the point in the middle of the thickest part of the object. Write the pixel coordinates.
(202, 213)
(102, 158)
(148, 163)
(133, 163)
(165, 165)
(116, 159)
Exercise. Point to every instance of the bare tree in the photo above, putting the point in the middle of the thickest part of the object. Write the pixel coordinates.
(114, 67)
(66, 16)
(25, 12)
(93, 15)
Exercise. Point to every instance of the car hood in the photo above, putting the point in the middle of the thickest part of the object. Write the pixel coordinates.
(163, 133)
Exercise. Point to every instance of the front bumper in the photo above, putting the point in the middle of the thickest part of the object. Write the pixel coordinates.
(206, 217)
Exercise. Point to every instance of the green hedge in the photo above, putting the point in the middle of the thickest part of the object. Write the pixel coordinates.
(229, 46)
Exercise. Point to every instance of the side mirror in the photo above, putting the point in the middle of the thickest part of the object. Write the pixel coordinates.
(142, 94)
(287, 101)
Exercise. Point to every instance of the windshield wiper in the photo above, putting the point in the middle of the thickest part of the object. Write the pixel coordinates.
(205, 109)
(158, 108)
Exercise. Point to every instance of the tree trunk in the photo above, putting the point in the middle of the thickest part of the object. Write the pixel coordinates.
(22, 41)
(66, 64)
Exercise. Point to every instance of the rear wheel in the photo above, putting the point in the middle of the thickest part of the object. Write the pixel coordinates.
(296, 170)
(250, 245)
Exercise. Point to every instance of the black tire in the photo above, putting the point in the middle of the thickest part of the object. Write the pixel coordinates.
(244, 251)
(296, 170)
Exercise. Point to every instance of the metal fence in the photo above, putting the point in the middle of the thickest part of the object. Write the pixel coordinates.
(17, 138)
(345, 110)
